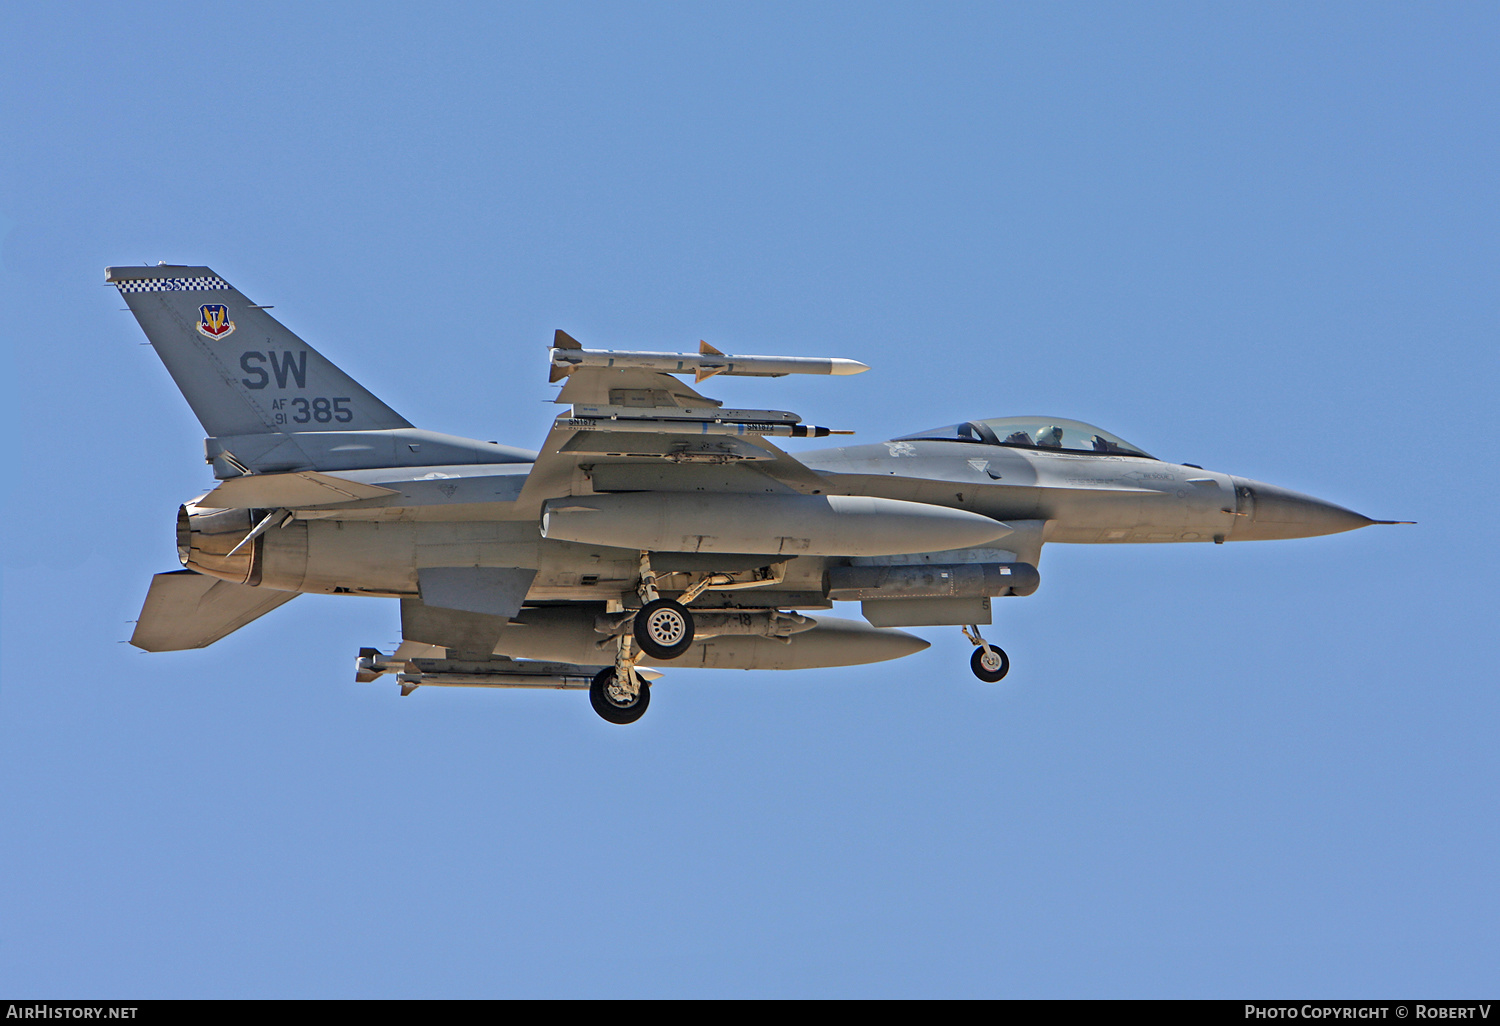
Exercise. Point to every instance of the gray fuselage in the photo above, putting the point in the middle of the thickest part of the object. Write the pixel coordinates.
(473, 515)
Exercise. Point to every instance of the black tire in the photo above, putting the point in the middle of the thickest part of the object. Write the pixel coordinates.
(663, 629)
(990, 674)
(608, 707)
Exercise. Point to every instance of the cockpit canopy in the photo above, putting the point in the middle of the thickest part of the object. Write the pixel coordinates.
(1049, 433)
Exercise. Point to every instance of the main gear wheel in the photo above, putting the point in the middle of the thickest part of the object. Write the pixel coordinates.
(614, 702)
(663, 629)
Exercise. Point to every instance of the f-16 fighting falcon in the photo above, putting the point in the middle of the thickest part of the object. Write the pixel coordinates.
(655, 528)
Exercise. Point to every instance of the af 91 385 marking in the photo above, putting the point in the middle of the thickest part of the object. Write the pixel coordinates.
(319, 409)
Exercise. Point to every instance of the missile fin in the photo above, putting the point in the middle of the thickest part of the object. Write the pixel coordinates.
(704, 373)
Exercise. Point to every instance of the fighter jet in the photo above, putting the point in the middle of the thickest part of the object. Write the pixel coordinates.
(654, 527)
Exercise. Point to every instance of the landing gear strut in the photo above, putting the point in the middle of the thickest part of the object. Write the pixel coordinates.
(989, 662)
(664, 628)
(619, 693)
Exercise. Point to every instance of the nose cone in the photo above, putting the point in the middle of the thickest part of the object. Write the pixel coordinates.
(1281, 513)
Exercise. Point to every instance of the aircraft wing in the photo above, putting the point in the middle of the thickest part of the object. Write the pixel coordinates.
(635, 428)
(190, 610)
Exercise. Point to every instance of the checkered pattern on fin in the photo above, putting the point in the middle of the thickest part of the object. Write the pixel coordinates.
(204, 284)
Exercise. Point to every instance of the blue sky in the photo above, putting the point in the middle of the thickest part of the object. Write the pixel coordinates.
(1257, 237)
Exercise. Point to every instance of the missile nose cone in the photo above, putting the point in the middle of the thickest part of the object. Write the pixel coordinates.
(841, 366)
(1275, 512)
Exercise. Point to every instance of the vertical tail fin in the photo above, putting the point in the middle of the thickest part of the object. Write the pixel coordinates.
(240, 370)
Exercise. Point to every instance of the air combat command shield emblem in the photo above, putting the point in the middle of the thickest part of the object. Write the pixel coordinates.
(213, 320)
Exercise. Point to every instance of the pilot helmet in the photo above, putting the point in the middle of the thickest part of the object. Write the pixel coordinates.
(1050, 436)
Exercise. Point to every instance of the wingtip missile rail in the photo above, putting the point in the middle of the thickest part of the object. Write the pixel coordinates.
(704, 364)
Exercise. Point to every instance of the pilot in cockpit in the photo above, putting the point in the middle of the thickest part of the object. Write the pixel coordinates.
(1050, 437)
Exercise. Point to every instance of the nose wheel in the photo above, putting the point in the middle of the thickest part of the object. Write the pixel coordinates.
(989, 662)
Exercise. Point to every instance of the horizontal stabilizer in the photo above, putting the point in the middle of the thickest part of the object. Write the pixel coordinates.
(188, 610)
(290, 491)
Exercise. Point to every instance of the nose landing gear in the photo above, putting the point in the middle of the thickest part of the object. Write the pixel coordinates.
(989, 662)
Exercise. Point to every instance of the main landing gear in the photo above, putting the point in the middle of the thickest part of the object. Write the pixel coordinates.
(663, 627)
(619, 693)
(618, 702)
(989, 662)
